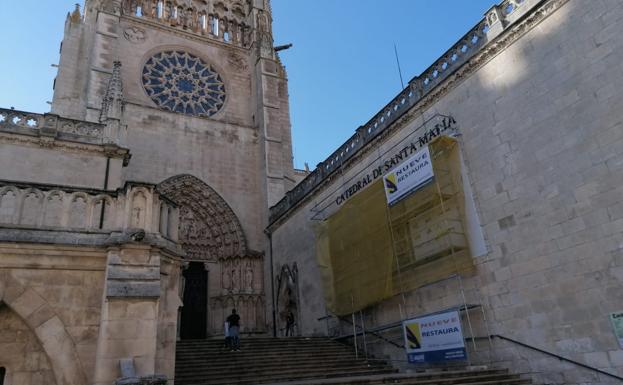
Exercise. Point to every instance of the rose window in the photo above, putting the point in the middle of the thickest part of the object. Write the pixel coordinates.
(180, 82)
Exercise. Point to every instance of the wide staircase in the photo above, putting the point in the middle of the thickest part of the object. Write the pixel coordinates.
(307, 361)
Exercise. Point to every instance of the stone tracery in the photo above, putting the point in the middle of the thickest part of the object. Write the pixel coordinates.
(219, 19)
(178, 81)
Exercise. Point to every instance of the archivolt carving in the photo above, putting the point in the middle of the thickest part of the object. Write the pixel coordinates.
(208, 227)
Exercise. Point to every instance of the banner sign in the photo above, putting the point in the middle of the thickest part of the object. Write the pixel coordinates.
(408, 176)
(617, 326)
(437, 126)
(434, 338)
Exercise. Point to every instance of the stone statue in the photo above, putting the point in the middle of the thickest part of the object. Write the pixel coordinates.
(235, 272)
(226, 277)
(249, 278)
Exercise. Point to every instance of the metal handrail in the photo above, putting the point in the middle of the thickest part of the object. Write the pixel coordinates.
(556, 356)
(369, 331)
(393, 325)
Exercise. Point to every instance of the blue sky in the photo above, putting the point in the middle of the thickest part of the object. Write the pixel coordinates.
(342, 68)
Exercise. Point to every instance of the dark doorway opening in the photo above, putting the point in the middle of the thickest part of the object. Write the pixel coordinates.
(194, 322)
(2, 373)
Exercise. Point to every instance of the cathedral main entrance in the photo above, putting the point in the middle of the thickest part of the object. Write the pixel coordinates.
(194, 316)
(221, 273)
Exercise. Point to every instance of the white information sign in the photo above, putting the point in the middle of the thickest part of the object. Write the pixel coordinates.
(434, 338)
(408, 176)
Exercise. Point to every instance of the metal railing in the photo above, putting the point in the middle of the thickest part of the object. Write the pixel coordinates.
(394, 325)
(554, 355)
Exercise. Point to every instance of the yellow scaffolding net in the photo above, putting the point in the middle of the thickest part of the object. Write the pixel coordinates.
(369, 252)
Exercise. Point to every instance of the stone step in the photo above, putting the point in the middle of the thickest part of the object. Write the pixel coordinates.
(472, 380)
(280, 376)
(493, 382)
(307, 361)
(269, 362)
(247, 354)
(259, 341)
(268, 350)
(256, 370)
(252, 345)
(436, 378)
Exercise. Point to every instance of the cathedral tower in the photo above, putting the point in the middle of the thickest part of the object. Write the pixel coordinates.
(195, 91)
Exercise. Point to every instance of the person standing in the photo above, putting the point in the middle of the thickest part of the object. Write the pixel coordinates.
(227, 337)
(234, 330)
(289, 324)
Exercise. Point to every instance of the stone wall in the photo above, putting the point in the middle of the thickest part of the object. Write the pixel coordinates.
(542, 144)
(77, 285)
(21, 353)
(45, 148)
(58, 298)
(223, 157)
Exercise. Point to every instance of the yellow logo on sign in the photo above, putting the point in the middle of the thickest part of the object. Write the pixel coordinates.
(391, 185)
(414, 337)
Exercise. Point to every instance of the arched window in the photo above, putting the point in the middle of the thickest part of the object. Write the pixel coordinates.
(215, 26)
(160, 9)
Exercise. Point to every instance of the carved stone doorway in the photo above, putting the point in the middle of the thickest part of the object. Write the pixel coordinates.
(212, 237)
(194, 318)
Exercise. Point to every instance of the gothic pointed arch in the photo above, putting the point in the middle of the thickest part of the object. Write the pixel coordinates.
(209, 228)
(49, 329)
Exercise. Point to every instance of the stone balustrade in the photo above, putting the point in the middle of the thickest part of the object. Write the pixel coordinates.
(135, 206)
(214, 19)
(54, 126)
(496, 20)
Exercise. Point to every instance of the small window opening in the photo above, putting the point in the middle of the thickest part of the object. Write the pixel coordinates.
(509, 9)
(139, 11)
(226, 37)
(160, 9)
(215, 27)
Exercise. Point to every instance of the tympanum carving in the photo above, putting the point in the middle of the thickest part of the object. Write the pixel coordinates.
(208, 227)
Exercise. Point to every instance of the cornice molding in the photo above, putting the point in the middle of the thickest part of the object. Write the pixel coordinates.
(107, 150)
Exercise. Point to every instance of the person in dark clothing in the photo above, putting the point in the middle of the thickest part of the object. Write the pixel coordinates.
(289, 324)
(234, 330)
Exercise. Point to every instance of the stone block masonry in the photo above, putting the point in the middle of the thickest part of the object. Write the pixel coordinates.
(541, 143)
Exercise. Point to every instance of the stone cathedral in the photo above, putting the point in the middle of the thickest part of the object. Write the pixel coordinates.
(159, 193)
(132, 214)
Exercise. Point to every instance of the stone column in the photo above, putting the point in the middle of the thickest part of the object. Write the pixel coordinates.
(129, 323)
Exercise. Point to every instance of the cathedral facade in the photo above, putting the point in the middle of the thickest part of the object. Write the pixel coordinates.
(159, 193)
(132, 214)
(519, 229)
